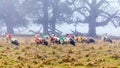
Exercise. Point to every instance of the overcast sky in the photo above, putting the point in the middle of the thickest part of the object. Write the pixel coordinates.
(65, 28)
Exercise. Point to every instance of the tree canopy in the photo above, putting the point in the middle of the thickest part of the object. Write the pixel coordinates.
(10, 15)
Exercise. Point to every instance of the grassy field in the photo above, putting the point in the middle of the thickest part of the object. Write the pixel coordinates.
(29, 55)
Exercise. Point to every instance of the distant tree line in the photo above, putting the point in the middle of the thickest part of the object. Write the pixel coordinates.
(49, 13)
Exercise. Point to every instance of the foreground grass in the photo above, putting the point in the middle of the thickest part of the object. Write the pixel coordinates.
(29, 55)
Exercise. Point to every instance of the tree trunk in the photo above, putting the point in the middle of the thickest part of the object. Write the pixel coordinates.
(55, 15)
(8, 21)
(10, 29)
(92, 30)
(53, 23)
(45, 17)
(45, 28)
(53, 26)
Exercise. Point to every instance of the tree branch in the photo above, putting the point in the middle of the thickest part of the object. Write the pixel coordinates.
(108, 20)
(86, 1)
(78, 20)
(61, 18)
(70, 2)
(113, 22)
(100, 3)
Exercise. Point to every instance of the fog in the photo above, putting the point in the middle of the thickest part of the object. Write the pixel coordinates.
(93, 17)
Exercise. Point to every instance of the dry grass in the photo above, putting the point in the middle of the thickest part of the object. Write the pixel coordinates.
(29, 55)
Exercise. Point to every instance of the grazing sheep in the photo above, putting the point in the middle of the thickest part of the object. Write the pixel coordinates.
(14, 41)
(8, 36)
(85, 40)
(40, 41)
(72, 42)
(108, 40)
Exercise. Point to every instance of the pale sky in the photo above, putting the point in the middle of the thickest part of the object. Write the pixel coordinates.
(110, 29)
(65, 28)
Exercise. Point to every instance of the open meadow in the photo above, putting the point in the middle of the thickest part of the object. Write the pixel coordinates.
(30, 55)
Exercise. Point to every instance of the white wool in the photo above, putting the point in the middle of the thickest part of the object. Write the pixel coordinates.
(40, 38)
(13, 39)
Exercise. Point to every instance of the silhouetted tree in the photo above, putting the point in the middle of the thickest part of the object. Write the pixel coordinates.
(60, 12)
(37, 10)
(10, 15)
(47, 13)
(93, 12)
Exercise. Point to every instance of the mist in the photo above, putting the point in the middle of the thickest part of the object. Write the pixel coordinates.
(91, 17)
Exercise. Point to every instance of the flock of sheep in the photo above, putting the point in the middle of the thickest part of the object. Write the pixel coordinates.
(52, 39)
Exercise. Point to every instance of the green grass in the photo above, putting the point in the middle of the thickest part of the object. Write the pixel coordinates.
(100, 55)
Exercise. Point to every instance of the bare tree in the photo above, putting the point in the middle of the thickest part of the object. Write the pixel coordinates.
(10, 15)
(47, 13)
(93, 12)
